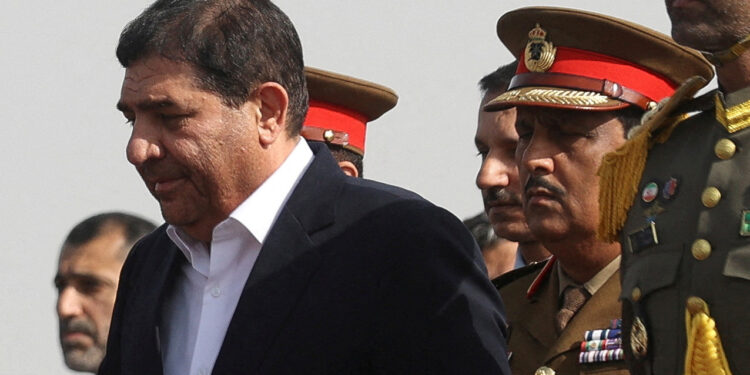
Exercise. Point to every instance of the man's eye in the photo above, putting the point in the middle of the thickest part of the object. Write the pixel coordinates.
(524, 133)
(60, 285)
(172, 121)
(172, 117)
(88, 286)
(482, 154)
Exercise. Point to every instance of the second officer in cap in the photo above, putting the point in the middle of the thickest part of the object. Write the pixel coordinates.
(340, 109)
(584, 80)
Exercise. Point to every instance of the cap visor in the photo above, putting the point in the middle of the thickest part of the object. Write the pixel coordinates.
(554, 97)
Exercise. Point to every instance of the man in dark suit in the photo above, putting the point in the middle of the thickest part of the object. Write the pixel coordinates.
(272, 261)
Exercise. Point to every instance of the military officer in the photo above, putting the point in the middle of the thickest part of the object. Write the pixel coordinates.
(686, 237)
(340, 108)
(496, 140)
(583, 81)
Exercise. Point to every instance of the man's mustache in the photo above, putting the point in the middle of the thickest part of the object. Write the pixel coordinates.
(539, 181)
(78, 326)
(502, 196)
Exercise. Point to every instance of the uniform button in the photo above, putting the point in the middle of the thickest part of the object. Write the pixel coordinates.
(544, 370)
(725, 149)
(696, 305)
(636, 294)
(711, 197)
(701, 249)
(328, 135)
(216, 292)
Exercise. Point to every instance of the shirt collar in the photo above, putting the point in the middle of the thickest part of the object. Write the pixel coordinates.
(595, 282)
(259, 211)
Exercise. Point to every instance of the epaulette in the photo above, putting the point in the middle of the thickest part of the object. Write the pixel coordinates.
(684, 109)
(621, 170)
(516, 274)
(697, 104)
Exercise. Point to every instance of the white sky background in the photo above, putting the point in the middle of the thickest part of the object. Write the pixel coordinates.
(62, 156)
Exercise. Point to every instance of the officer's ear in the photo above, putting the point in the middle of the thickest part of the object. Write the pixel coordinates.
(349, 168)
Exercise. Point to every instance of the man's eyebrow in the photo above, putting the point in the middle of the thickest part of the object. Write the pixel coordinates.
(82, 277)
(147, 105)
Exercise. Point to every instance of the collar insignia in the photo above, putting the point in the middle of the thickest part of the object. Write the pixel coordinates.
(734, 118)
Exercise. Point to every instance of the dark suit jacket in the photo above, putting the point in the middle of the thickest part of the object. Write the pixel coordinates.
(534, 340)
(355, 277)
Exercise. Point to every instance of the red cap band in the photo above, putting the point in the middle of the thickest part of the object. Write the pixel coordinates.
(324, 115)
(595, 65)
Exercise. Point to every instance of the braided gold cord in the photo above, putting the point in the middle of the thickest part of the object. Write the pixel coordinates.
(704, 354)
(620, 171)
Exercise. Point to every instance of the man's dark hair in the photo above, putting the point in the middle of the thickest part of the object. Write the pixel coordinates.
(132, 227)
(499, 80)
(481, 229)
(341, 154)
(630, 117)
(234, 46)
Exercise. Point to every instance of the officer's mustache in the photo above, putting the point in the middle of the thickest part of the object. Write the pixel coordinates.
(539, 181)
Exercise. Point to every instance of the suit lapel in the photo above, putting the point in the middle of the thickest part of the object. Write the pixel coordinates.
(597, 313)
(280, 276)
(144, 310)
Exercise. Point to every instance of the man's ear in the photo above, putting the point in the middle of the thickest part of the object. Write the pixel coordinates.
(349, 168)
(273, 103)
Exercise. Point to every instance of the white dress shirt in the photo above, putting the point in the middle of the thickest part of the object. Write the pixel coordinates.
(197, 312)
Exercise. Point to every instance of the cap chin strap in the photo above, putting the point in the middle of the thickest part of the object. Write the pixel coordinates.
(730, 54)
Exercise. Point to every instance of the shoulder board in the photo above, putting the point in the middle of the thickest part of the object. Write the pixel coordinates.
(680, 103)
(697, 104)
(516, 274)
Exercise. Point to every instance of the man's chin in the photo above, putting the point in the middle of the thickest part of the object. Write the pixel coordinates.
(513, 230)
(548, 230)
(176, 213)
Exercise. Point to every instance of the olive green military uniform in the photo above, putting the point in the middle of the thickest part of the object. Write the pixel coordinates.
(683, 239)
(533, 340)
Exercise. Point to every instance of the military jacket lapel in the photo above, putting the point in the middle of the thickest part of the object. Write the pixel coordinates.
(596, 313)
(540, 310)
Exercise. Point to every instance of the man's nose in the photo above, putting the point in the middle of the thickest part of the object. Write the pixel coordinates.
(69, 303)
(536, 156)
(144, 143)
(492, 173)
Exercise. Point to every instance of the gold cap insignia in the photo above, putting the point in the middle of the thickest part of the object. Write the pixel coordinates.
(539, 54)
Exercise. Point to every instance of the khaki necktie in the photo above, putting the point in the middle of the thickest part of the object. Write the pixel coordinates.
(573, 299)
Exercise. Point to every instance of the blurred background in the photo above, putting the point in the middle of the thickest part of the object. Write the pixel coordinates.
(62, 157)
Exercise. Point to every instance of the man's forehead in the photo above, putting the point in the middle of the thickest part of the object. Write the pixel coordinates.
(157, 72)
(149, 88)
(555, 116)
(107, 246)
